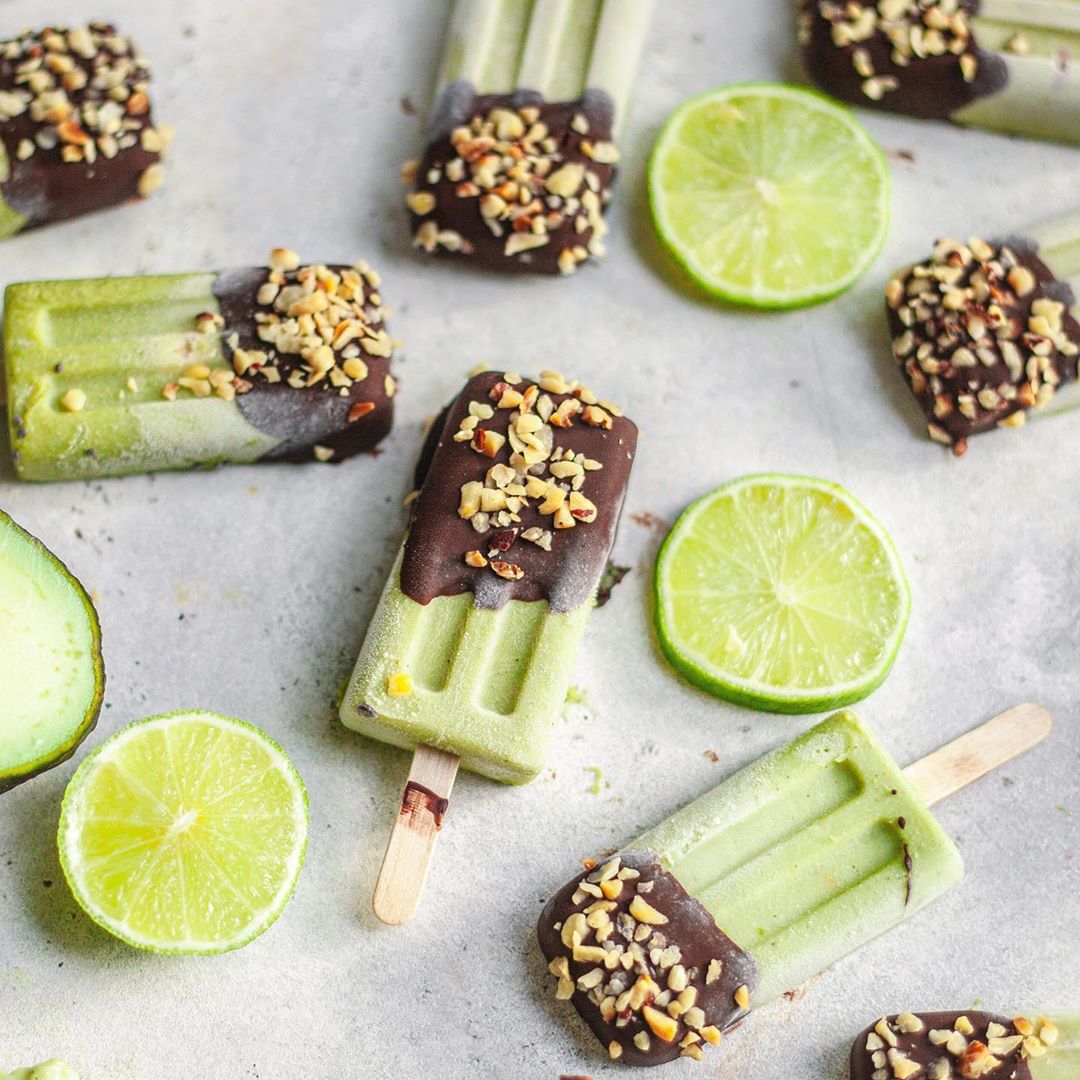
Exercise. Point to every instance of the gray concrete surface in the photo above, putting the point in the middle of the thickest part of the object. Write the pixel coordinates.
(247, 590)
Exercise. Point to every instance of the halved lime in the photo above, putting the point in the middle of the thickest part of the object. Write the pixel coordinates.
(184, 833)
(781, 593)
(769, 195)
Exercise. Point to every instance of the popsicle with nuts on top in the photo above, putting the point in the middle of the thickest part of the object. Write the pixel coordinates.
(76, 129)
(744, 894)
(1006, 65)
(972, 1045)
(470, 653)
(124, 375)
(521, 156)
(987, 333)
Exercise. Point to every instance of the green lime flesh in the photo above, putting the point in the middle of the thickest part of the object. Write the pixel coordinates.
(781, 593)
(185, 833)
(768, 195)
(51, 672)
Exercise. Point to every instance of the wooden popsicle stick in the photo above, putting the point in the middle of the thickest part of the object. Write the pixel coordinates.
(408, 854)
(973, 755)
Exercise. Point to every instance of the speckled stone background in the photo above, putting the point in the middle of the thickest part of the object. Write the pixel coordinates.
(247, 590)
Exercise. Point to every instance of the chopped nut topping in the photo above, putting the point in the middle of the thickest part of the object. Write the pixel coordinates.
(645, 913)
(912, 30)
(530, 472)
(73, 401)
(635, 979)
(314, 321)
(537, 181)
(974, 1046)
(980, 337)
(85, 91)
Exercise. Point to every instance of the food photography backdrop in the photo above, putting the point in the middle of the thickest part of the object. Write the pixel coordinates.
(247, 590)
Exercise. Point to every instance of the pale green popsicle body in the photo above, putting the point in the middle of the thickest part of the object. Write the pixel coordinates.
(487, 685)
(118, 341)
(558, 48)
(1042, 96)
(1062, 1061)
(800, 857)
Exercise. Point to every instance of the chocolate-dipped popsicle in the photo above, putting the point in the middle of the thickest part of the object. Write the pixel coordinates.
(521, 156)
(76, 126)
(987, 332)
(122, 375)
(971, 1045)
(469, 655)
(1007, 65)
(743, 895)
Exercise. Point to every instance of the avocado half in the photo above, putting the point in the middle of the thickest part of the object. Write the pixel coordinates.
(51, 673)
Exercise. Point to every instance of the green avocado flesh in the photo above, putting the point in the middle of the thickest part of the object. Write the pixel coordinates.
(51, 675)
(47, 1070)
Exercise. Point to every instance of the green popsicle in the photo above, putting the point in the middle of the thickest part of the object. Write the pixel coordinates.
(801, 857)
(786, 867)
(470, 653)
(1005, 65)
(122, 375)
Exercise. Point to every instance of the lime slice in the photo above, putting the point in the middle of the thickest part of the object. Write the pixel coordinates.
(769, 195)
(184, 833)
(781, 593)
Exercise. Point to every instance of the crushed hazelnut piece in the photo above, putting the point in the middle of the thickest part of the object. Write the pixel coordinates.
(73, 401)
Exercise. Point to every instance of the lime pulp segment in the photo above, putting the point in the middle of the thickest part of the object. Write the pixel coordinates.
(781, 593)
(184, 833)
(769, 195)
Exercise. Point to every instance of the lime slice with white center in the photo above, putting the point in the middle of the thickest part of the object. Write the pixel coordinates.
(781, 593)
(184, 833)
(769, 195)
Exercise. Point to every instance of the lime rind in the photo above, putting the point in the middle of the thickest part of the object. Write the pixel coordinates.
(771, 696)
(869, 204)
(71, 824)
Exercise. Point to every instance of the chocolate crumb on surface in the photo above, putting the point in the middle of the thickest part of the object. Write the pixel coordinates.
(517, 183)
(76, 126)
(983, 334)
(643, 962)
(916, 57)
(521, 487)
(950, 1046)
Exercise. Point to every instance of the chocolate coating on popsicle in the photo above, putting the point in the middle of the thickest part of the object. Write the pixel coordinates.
(76, 125)
(517, 183)
(944, 1046)
(339, 414)
(520, 547)
(903, 56)
(644, 962)
(983, 332)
